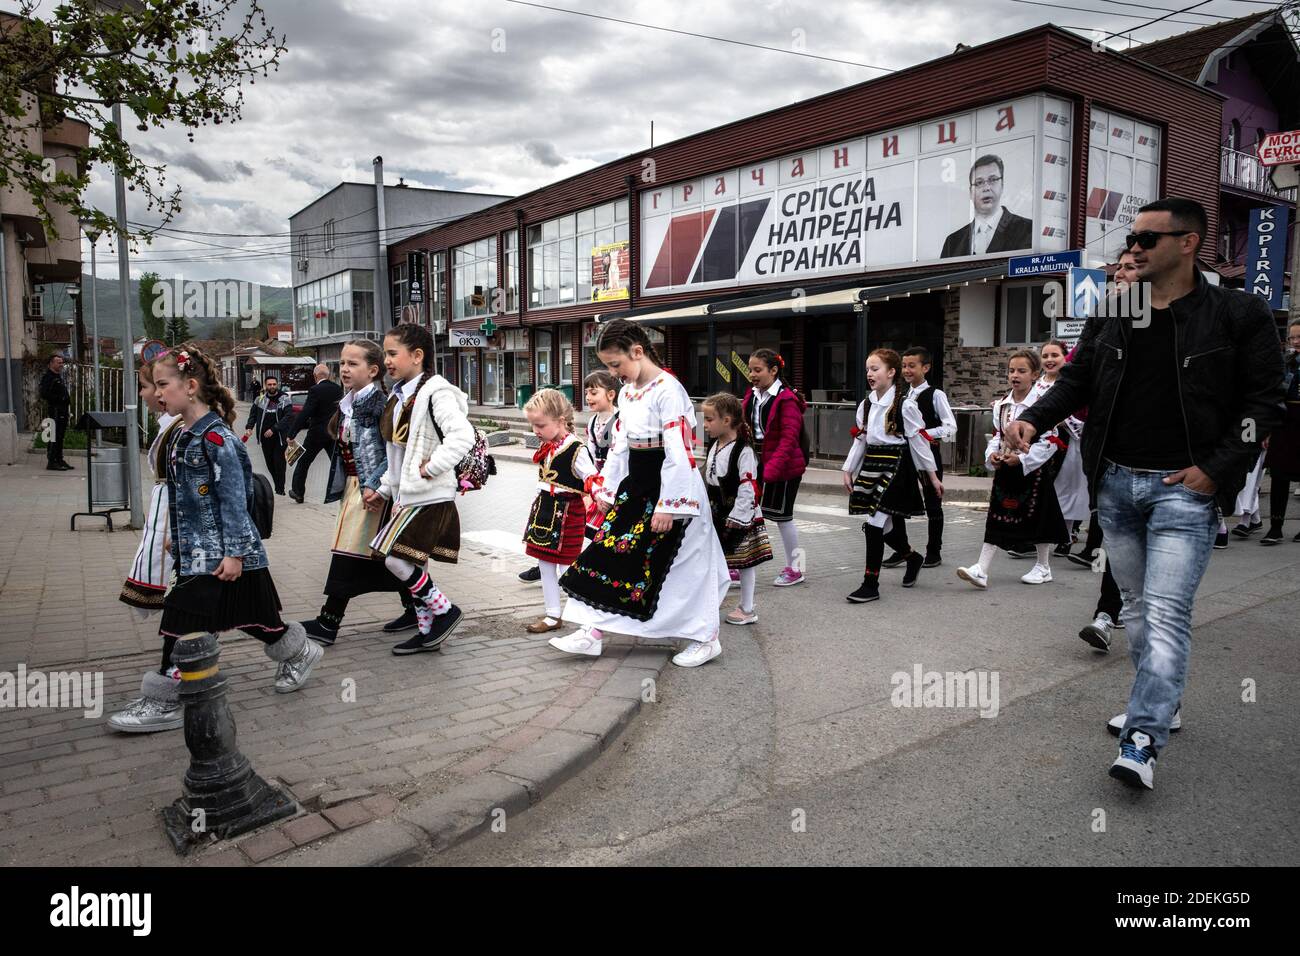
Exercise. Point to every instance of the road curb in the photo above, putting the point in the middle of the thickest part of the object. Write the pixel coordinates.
(518, 781)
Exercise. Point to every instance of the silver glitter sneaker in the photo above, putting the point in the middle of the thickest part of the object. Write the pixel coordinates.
(290, 675)
(147, 715)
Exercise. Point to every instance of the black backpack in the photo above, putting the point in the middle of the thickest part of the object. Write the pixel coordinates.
(261, 508)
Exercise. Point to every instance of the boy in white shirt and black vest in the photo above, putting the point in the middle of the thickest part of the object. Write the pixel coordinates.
(940, 425)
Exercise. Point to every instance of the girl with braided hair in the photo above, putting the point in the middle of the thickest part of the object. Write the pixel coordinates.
(655, 568)
(880, 472)
(221, 581)
(774, 413)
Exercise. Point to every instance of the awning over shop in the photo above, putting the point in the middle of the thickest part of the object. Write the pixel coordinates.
(937, 283)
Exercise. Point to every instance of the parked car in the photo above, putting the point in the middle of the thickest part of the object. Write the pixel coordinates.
(298, 397)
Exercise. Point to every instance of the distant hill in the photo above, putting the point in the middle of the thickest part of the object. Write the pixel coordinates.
(277, 300)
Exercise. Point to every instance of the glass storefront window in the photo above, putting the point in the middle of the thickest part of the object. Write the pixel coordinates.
(544, 371)
(474, 267)
(335, 305)
(560, 250)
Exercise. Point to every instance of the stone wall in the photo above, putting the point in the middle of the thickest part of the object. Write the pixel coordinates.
(971, 375)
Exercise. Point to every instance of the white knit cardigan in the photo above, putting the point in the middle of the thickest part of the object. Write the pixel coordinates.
(450, 407)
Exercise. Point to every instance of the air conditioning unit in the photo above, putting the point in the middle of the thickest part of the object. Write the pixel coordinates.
(302, 265)
(38, 289)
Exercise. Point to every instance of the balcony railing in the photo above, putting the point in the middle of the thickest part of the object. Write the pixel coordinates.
(1245, 171)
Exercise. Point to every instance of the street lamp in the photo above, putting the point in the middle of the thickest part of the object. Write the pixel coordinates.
(92, 234)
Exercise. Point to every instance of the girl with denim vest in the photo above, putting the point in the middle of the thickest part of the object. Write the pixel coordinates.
(221, 580)
(357, 465)
(426, 427)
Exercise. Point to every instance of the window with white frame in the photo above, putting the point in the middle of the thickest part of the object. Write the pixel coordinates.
(560, 250)
(328, 233)
(511, 284)
(473, 270)
(1025, 314)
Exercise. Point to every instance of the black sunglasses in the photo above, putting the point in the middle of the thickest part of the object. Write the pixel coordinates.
(1149, 239)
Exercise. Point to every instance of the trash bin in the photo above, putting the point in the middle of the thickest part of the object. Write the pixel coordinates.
(522, 394)
(568, 392)
(107, 484)
(108, 477)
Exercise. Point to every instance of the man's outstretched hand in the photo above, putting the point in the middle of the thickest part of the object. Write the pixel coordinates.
(1018, 435)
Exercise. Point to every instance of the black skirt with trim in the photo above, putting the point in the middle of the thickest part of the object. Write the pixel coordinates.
(202, 603)
(887, 481)
(1023, 509)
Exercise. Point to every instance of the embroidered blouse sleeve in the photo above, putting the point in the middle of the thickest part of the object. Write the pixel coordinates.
(856, 450)
(743, 512)
(583, 464)
(995, 440)
(679, 480)
(913, 425)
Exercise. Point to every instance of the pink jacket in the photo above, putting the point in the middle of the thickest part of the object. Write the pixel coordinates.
(782, 458)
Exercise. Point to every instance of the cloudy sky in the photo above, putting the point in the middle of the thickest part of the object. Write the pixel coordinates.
(501, 97)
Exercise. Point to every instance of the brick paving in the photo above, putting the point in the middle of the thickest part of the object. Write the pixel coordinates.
(369, 732)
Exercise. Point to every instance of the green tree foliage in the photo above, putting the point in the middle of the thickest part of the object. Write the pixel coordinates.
(165, 61)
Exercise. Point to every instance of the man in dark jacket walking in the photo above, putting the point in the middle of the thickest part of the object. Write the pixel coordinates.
(271, 413)
(54, 392)
(1179, 397)
(322, 402)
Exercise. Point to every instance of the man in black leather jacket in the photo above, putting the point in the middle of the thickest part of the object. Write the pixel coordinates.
(1178, 400)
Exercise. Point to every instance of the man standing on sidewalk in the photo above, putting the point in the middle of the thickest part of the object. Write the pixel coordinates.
(1178, 399)
(322, 402)
(270, 415)
(54, 392)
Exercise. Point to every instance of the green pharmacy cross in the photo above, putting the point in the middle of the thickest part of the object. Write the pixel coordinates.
(488, 326)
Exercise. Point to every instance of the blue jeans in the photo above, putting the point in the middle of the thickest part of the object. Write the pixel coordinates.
(1157, 540)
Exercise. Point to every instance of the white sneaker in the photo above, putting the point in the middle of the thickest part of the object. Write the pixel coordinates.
(1037, 575)
(975, 575)
(1136, 763)
(741, 616)
(699, 652)
(1115, 726)
(579, 642)
(1097, 634)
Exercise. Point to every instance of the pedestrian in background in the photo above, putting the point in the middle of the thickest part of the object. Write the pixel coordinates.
(54, 392)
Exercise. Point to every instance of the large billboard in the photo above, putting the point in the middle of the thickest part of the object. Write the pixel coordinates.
(1123, 175)
(992, 181)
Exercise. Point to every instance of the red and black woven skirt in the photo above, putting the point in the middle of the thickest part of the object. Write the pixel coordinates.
(555, 528)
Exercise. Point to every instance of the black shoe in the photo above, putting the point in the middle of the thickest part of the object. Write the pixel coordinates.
(1022, 552)
(914, 564)
(1062, 550)
(54, 466)
(870, 591)
(531, 575)
(1246, 530)
(64, 465)
(296, 497)
(403, 623)
(1083, 558)
(932, 559)
(280, 492)
(443, 625)
(894, 560)
(1296, 539)
(1221, 541)
(1274, 535)
(318, 632)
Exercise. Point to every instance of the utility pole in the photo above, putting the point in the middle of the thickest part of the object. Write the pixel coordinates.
(93, 235)
(130, 396)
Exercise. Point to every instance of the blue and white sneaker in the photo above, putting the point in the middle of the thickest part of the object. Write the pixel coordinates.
(1136, 763)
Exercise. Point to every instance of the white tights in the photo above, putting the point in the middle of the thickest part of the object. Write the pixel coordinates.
(550, 587)
(789, 538)
(747, 578)
(1044, 552)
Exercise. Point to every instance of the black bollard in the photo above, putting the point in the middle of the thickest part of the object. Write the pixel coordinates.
(222, 794)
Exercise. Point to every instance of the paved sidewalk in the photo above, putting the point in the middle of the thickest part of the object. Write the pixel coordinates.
(368, 743)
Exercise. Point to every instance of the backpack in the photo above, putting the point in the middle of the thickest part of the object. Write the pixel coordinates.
(472, 471)
(261, 509)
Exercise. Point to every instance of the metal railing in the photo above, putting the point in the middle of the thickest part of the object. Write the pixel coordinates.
(1245, 171)
(829, 424)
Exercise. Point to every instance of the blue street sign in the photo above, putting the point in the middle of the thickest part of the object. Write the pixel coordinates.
(1266, 253)
(1084, 289)
(1020, 266)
